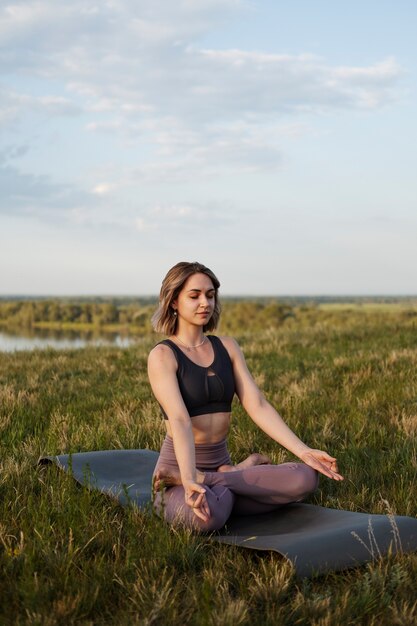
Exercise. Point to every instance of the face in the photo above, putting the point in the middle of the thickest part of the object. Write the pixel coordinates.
(196, 300)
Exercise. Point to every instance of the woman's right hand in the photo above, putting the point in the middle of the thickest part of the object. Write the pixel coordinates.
(195, 497)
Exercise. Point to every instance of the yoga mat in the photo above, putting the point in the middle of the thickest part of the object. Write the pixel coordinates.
(123, 474)
(314, 538)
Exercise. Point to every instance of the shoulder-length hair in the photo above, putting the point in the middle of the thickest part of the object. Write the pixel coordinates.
(163, 320)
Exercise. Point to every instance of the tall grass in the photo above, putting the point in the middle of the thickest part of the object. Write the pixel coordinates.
(345, 381)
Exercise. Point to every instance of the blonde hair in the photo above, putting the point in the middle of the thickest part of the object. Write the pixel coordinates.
(163, 320)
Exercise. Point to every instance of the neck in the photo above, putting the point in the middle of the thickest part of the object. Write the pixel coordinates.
(190, 335)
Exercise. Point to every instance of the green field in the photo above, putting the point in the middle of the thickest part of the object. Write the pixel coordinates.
(370, 307)
(345, 381)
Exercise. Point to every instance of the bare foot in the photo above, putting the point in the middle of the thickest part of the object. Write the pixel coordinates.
(168, 477)
(165, 477)
(253, 459)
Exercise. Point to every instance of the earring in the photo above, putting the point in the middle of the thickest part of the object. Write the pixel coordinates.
(175, 313)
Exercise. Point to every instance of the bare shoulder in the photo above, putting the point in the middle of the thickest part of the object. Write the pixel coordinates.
(161, 356)
(231, 346)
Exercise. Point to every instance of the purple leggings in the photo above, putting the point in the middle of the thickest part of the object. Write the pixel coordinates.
(249, 491)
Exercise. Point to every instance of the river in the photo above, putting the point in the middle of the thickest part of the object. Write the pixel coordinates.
(35, 339)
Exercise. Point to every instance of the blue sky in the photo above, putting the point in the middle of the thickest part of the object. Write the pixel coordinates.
(274, 142)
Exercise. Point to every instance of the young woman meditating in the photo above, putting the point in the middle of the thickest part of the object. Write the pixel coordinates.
(194, 377)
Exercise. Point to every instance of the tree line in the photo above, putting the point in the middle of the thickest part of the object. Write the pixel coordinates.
(236, 314)
(29, 313)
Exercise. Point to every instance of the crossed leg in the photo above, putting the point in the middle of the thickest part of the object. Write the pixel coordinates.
(169, 475)
(170, 505)
(263, 488)
(247, 491)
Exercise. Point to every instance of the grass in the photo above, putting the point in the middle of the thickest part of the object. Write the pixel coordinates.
(345, 381)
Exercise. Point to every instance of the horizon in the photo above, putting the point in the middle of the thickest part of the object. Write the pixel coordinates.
(242, 296)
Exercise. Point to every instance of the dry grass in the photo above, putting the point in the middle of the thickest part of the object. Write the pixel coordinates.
(344, 381)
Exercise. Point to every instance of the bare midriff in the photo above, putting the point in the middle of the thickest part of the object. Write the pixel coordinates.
(208, 428)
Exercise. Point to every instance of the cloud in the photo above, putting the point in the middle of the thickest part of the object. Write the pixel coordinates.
(100, 34)
(170, 220)
(135, 72)
(14, 105)
(273, 83)
(183, 218)
(135, 59)
(26, 194)
(22, 193)
(102, 189)
(211, 153)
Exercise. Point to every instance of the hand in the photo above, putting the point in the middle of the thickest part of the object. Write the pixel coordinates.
(322, 462)
(195, 497)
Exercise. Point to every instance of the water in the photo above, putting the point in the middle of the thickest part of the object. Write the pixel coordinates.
(35, 339)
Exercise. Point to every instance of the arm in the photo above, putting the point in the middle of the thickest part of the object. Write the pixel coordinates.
(162, 377)
(267, 418)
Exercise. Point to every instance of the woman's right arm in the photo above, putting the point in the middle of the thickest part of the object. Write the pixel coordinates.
(162, 368)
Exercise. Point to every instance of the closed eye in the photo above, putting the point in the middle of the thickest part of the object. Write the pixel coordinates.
(209, 295)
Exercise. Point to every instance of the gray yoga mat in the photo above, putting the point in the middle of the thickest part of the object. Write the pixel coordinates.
(314, 538)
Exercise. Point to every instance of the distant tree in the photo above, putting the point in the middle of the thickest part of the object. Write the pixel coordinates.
(274, 314)
(26, 315)
(54, 311)
(109, 313)
(86, 316)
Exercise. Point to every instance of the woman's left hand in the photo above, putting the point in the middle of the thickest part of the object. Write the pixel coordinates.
(322, 462)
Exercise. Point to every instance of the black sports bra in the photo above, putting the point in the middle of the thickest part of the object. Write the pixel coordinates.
(205, 389)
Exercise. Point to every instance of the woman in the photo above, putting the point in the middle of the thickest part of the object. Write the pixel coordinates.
(194, 377)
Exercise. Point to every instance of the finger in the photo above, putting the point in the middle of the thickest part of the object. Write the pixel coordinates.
(324, 471)
(326, 464)
(327, 472)
(201, 515)
(158, 484)
(334, 475)
(204, 511)
(195, 501)
(191, 501)
(332, 467)
(198, 501)
(194, 490)
(201, 509)
(205, 507)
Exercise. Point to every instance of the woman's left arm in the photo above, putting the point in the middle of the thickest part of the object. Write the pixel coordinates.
(268, 419)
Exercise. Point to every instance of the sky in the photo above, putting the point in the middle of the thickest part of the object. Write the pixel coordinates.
(273, 141)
